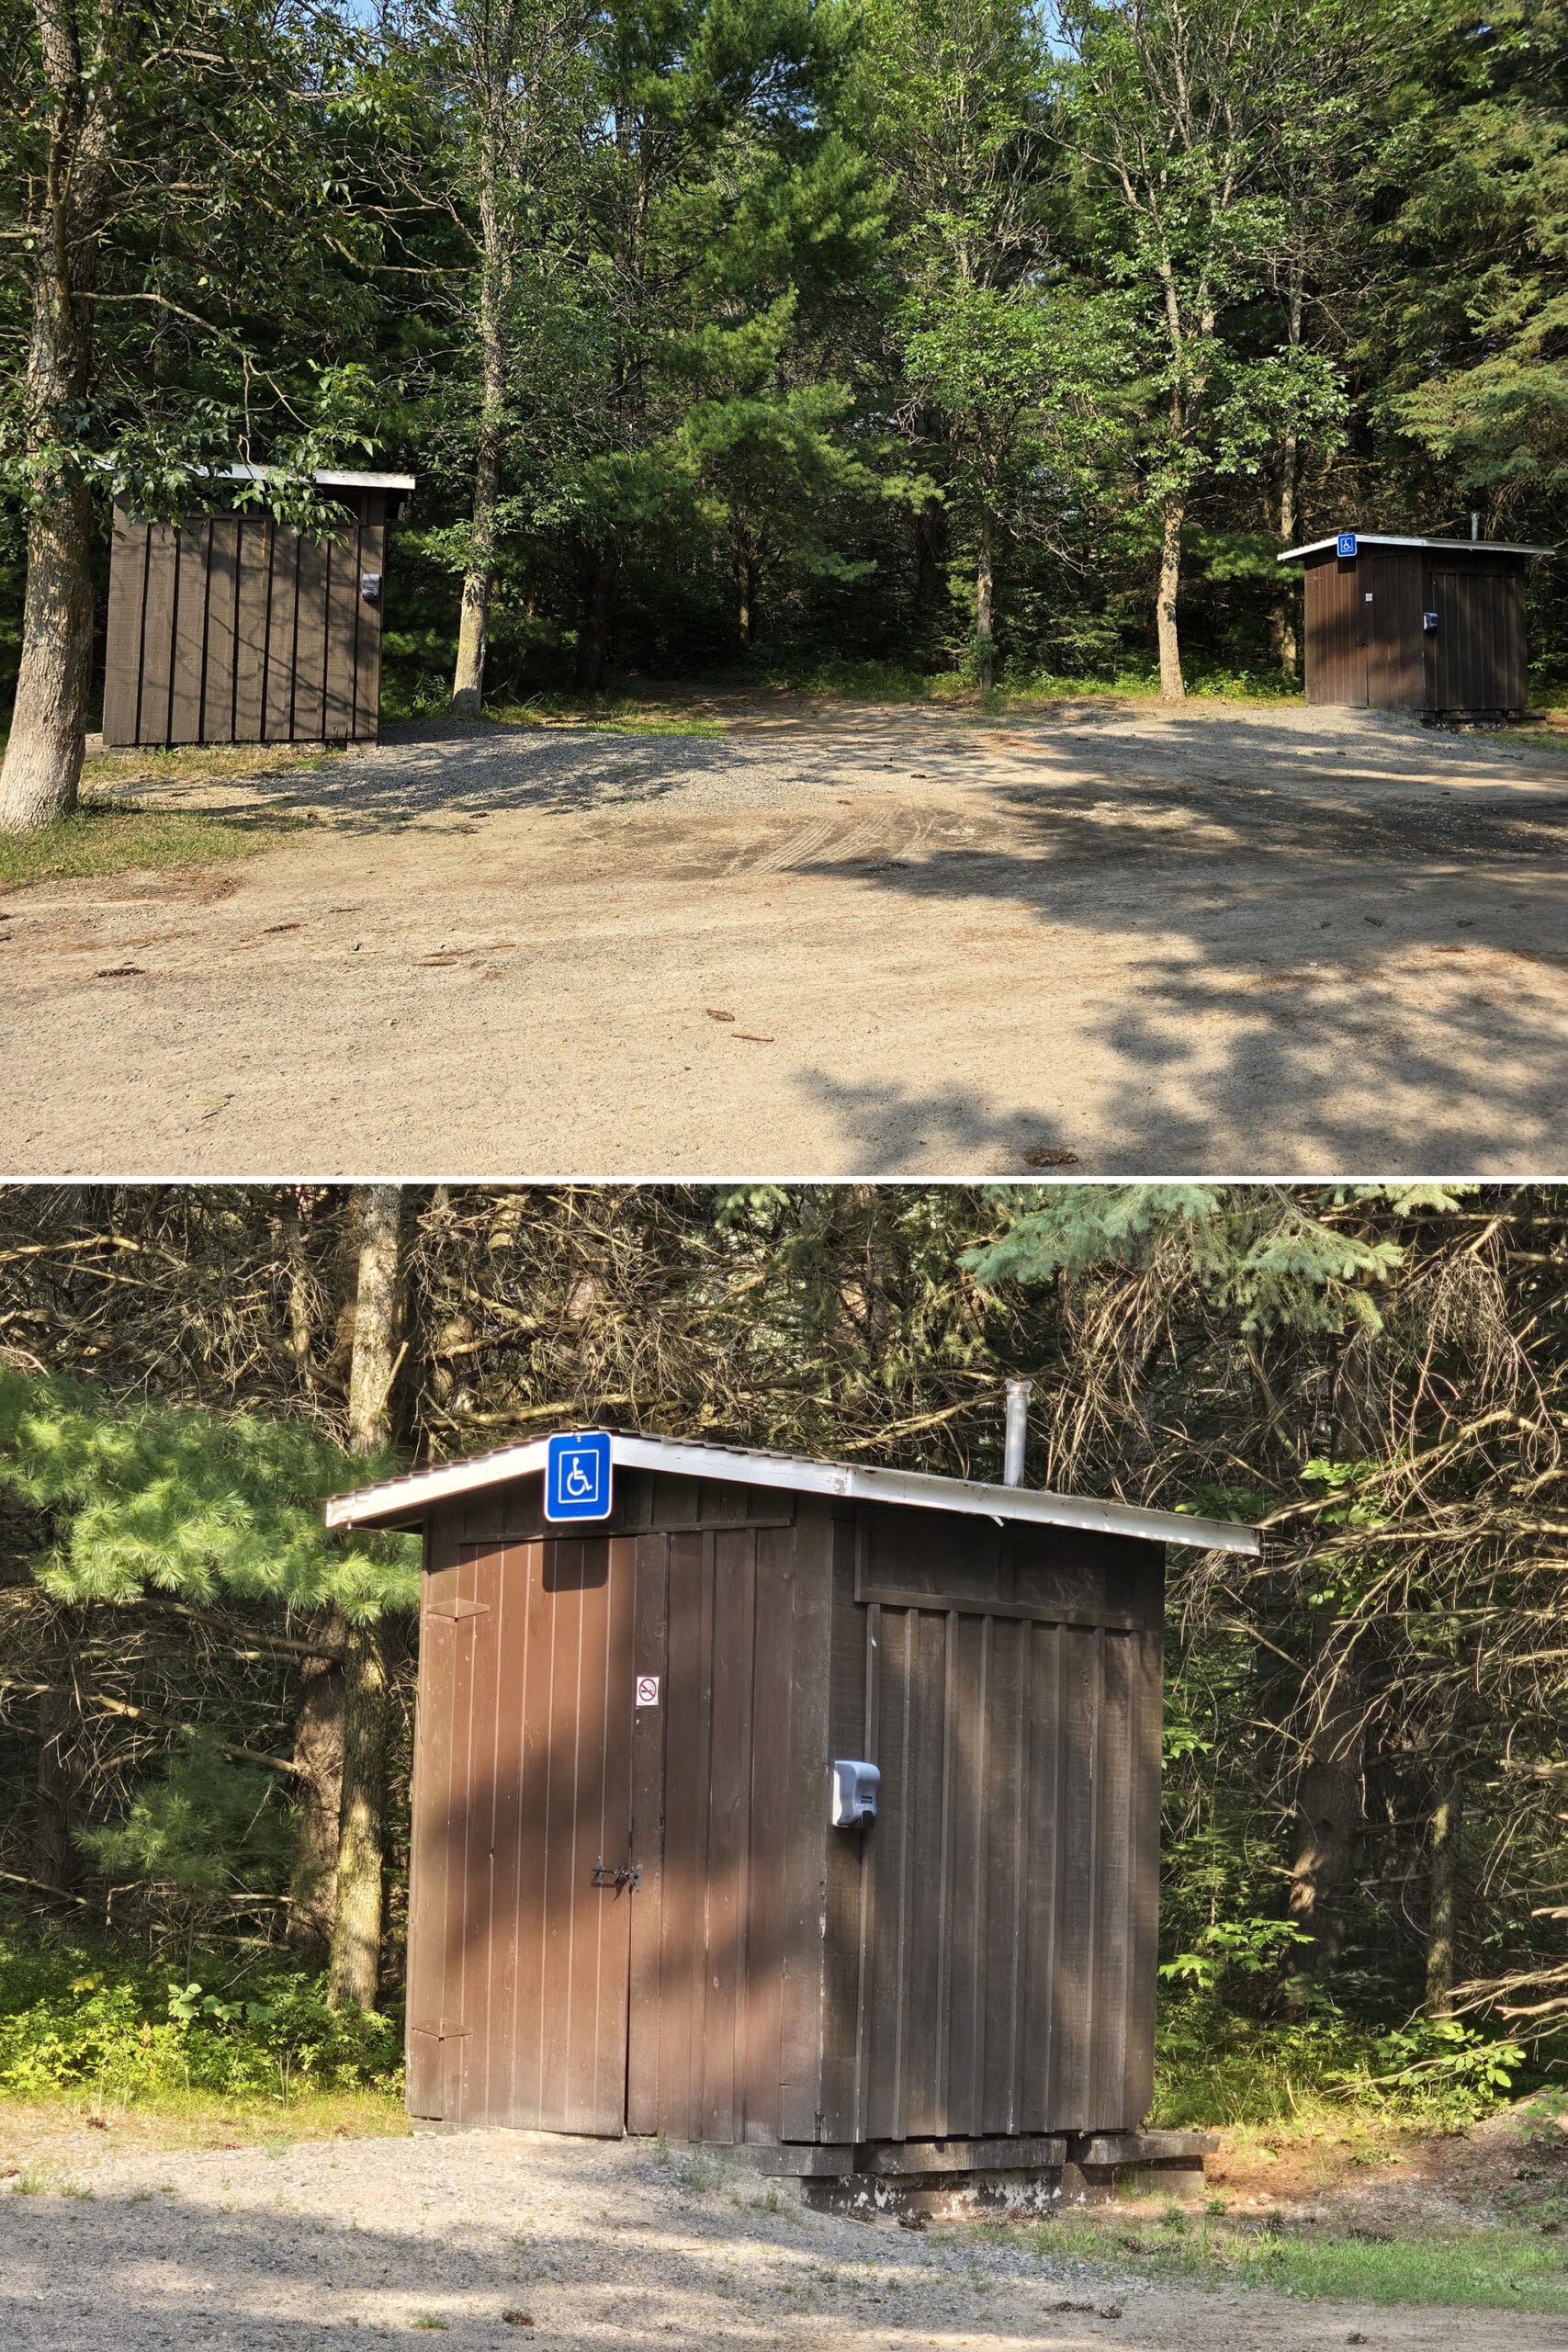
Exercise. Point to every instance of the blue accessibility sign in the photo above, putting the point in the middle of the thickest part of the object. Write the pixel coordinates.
(577, 1477)
(1346, 545)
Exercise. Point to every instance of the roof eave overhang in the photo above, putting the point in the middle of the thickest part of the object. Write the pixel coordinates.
(329, 478)
(1396, 539)
(406, 1501)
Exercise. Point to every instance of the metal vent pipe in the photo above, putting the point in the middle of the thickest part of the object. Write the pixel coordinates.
(1475, 524)
(1019, 1393)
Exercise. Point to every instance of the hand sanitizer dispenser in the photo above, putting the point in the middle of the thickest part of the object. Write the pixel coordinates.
(855, 1784)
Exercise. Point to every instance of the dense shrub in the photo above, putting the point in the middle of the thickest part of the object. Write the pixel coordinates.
(73, 2019)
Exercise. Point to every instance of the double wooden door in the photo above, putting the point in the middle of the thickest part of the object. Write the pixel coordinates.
(598, 1834)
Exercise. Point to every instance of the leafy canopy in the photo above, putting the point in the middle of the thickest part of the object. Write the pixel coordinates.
(1256, 1251)
(172, 1499)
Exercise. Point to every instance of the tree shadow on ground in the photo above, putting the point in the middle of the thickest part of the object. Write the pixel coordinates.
(1357, 979)
(274, 2268)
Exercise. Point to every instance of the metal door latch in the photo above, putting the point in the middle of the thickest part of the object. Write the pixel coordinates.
(629, 1875)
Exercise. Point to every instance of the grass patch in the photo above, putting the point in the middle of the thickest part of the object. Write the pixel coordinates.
(1500, 2268)
(118, 772)
(605, 714)
(113, 830)
(172, 2121)
(110, 837)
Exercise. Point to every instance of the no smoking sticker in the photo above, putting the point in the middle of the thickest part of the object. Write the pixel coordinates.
(647, 1690)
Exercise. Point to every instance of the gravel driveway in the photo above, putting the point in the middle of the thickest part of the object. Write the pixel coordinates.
(588, 2245)
(829, 942)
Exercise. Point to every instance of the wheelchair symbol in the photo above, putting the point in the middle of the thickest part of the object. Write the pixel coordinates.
(580, 1482)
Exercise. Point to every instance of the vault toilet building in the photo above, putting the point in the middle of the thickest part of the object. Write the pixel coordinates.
(656, 1888)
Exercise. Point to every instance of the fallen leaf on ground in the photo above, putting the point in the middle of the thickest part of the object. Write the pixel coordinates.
(1049, 1156)
(120, 972)
(518, 2319)
(713, 1014)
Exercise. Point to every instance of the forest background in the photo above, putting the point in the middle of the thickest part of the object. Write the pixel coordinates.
(205, 1701)
(855, 342)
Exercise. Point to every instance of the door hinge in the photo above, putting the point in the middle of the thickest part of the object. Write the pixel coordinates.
(629, 1875)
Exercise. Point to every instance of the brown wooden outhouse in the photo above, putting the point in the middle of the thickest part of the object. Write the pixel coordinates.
(1411, 624)
(646, 1895)
(233, 629)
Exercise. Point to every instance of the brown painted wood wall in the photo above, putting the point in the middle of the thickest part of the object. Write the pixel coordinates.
(980, 1961)
(1377, 654)
(231, 629)
(1478, 659)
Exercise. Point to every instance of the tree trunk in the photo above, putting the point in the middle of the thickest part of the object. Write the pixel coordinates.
(1287, 651)
(598, 572)
(317, 1763)
(1328, 1821)
(473, 625)
(372, 1365)
(48, 722)
(745, 598)
(1172, 688)
(930, 553)
(354, 1969)
(1442, 1932)
(354, 1974)
(985, 585)
(53, 1855)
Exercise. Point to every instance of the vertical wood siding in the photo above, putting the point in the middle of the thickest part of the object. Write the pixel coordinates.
(712, 1830)
(519, 1964)
(232, 630)
(1380, 654)
(1479, 653)
(980, 1963)
(1336, 656)
(1001, 1958)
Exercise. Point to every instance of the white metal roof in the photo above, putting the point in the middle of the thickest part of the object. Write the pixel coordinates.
(1396, 539)
(409, 1498)
(328, 481)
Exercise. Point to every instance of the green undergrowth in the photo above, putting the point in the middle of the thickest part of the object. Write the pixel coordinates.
(1216, 2067)
(891, 681)
(1508, 2268)
(75, 2018)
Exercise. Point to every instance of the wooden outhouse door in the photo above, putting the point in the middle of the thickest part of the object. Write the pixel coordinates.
(1479, 643)
(519, 1949)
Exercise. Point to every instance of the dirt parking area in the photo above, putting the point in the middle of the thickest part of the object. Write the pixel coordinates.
(827, 940)
(501, 2239)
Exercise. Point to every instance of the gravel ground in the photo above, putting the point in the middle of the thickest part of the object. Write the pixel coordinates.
(858, 942)
(454, 768)
(503, 2239)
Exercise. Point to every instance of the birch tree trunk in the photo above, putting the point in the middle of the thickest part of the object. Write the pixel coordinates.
(48, 722)
(473, 625)
(354, 1969)
(1172, 686)
(985, 591)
